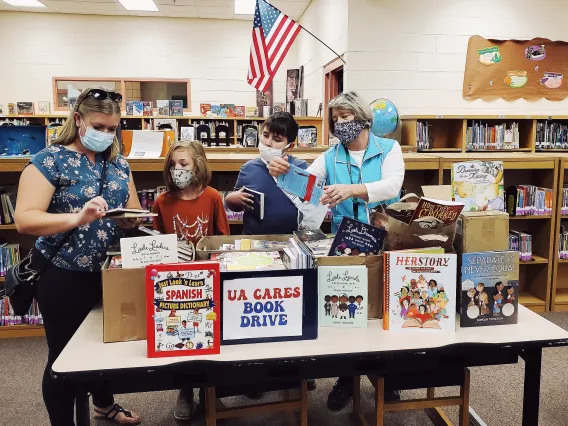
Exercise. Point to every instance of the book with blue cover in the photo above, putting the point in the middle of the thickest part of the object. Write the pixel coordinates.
(138, 108)
(356, 238)
(303, 184)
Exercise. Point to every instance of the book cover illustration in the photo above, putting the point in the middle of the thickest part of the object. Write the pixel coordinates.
(446, 211)
(356, 238)
(251, 112)
(307, 137)
(25, 108)
(204, 108)
(163, 107)
(188, 133)
(138, 108)
(2, 110)
(489, 290)
(176, 108)
(182, 309)
(11, 109)
(240, 111)
(343, 294)
(479, 185)
(44, 107)
(227, 110)
(420, 291)
(299, 182)
(216, 110)
(148, 108)
(129, 107)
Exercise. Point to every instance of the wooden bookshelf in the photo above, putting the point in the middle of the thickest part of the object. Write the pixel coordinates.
(21, 331)
(559, 293)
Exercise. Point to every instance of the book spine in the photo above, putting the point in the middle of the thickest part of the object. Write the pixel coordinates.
(386, 295)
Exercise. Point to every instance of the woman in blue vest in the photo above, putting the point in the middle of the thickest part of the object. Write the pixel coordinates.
(361, 172)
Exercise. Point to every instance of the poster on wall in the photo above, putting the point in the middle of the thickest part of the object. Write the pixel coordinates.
(292, 82)
(268, 306)
(515, 69)
(264, 99)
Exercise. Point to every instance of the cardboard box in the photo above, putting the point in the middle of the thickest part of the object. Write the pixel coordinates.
(208, 245)
(124, 304)
(482, 231)
(375, 277)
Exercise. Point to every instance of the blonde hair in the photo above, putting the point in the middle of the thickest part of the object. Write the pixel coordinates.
(352, 102)
(86, 105)
(201, 172)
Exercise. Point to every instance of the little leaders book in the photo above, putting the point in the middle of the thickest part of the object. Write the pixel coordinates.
(479, 185)
(303, 184)
(182, 309)
(343, 296)
(489, 290)
(420, 291)
(356, 238)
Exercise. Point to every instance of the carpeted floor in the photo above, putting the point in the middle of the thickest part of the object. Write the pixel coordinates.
(496, 393)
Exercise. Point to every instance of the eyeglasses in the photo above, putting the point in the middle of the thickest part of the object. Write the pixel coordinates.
(101, 95)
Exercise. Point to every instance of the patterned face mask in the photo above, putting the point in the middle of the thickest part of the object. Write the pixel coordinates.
(182, 178)
(348, 131)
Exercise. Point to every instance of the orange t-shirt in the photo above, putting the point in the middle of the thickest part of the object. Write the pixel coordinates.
(191, 219)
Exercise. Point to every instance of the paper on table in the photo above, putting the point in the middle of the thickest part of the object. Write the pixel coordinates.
(146, 144)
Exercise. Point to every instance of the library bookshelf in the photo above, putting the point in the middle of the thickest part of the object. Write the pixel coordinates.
(559, 291)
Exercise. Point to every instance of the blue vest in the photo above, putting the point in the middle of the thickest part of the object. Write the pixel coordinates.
(337, 172)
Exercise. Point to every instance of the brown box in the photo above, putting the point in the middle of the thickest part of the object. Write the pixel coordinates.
(208, 245)
(124, 304)
(482, 231)
(375, 277)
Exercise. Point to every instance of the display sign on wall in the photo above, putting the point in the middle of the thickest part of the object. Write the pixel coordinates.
(515, 69)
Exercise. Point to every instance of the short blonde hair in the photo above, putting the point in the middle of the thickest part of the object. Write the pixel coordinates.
(201, 172)
(85, 105)
(352, 102)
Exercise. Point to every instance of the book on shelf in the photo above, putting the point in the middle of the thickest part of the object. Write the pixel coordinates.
(163, 106)
(227, 110)
(148, 108)
(138, 108)
(129, 107)
(176, 108)
(529, 200)
(9, 256)
(424, 136)
(240, 111)
(258, 203)
(187, 133)
(447, 211)
(563, 243)
(521, 242)
(307, 136)
(8, 319)
(11, 108)
(303, 184)
(564, 207)
(356, 238)
(7, 205)
(487, 137)
(419, 291)
(204, 108)
(251, 112)
(3, 110)
(479, 185)
(25, 108)
(44, 107)
(551, 135)
(343, 296)
(216, 110)
(489, 288)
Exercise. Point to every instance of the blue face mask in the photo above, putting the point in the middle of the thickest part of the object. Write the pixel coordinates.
(96, 141)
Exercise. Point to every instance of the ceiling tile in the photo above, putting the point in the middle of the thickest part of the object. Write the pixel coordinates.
(143, 13)
(68, 5)
(175, 2)
(179, 11)
(215, 3)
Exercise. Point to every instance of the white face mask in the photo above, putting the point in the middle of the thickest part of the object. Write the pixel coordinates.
(267, 153)
(182, 178)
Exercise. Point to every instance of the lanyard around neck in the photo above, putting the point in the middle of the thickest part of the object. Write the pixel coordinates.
(355, 201)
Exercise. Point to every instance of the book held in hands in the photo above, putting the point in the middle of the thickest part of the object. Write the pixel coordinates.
(258, 206)
(303, 184)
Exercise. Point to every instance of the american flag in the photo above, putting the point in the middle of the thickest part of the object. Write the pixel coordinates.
(272, 35)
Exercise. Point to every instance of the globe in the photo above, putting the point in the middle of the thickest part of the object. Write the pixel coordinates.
(385, 117)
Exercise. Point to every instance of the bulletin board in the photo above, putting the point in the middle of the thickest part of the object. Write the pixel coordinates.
(515, 69)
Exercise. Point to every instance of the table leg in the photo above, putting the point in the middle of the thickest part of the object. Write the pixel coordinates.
(82, 407)
(210, 406)
(531, 396)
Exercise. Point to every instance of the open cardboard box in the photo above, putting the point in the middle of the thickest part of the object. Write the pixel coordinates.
(208, 245)
(124, 304)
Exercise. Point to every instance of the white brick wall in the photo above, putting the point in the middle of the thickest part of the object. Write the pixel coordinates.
(413, 51)
(214, 54)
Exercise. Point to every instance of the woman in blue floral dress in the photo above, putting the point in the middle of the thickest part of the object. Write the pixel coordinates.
(59, 193)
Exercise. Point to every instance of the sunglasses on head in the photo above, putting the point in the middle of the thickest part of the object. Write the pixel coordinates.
(101, 95)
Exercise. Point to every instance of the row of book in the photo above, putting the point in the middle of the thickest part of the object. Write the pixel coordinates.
(146, 108)
(521, 242)
(483, 136)
(424, 135)
(7, 206)
(564, 207)
(7, 317)
(25, 108)
(9, 255)
(551, 135)
(563, 243)
(529, 200)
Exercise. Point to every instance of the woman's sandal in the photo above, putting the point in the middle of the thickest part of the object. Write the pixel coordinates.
(114, 411)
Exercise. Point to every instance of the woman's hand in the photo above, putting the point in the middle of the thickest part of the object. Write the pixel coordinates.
(278, 166)
(128, 223)
(93, 210)
(336, 194)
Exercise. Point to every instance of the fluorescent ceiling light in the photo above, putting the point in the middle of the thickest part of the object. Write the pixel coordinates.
(25, 3)
(245, 7)
(145, 5)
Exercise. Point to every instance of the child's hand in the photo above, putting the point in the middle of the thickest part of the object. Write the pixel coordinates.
(243, 199)
(278, 166)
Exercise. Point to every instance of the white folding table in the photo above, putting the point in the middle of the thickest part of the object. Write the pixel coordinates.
(337, 351)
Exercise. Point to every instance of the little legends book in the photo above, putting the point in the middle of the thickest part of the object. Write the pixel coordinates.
(489, 290)
(356, 238)
(343, 296)
(182, 309)
(420, 291)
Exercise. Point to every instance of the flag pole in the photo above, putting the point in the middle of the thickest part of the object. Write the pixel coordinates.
(323, 44)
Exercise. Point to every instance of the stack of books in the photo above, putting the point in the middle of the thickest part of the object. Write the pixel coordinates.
(9, 255)
(529, 200)
(424, 135)
(483, 136)
(521, 242)
(7, 205)
(7, 317)
(551, 136)
(304, 247)
(249, 261)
